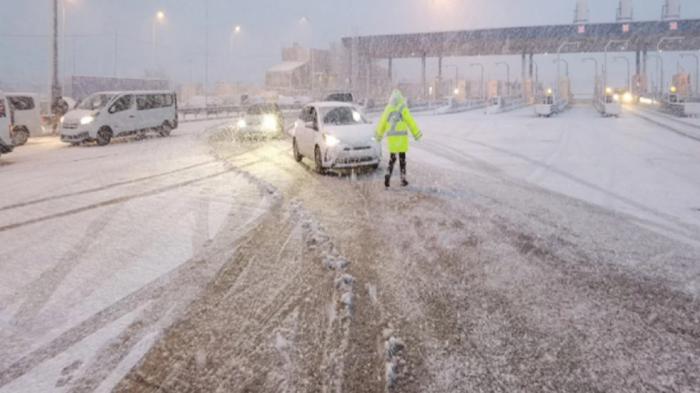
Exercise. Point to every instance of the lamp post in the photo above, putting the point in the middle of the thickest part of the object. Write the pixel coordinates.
(629, 67)
(507, 76)
(659, 50)
(456, 73)
(159, 18)
(481, 87)
(558, 60)
(697, 70)
(236, 31)
(659, 70)
(64, 6)
(605, 61)
(595, 74)
(55, 85)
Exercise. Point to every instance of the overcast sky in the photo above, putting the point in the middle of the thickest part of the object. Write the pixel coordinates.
(267, 25)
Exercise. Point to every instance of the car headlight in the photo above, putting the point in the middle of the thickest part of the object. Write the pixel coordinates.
(61, 119)
(331, 140)
(269, 123)
(87, 120)
(242, 123)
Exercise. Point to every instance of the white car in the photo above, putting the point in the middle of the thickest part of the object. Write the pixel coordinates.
(27, 117)
(5, 125)
(336, 136)
(103, 116)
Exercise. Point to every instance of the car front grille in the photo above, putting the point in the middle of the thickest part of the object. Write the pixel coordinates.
(78, 137)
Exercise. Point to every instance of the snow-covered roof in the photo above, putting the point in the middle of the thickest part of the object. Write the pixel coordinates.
(287, 66)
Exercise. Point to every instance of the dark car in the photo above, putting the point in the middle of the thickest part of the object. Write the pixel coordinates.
(261, 121)
(340, 97)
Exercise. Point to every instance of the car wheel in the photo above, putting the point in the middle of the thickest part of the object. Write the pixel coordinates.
(104, 136)
(318, 161)
(297, 156)
(20, 136)
(374, 167)
(165, 130)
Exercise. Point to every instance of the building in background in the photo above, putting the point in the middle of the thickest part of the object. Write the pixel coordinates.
(304, 72)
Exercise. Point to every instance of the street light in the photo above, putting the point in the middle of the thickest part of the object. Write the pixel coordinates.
(658, 49)
(697, 70)
(659, 69)
(558, 60)
(481, 87)
(64, 5)
(507, 76)
(605, 62)
(595, 82)
(158, 19)
(629, 67)
(305, 21)
(456, 73)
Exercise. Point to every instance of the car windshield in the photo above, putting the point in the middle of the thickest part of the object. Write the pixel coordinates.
(343, 116)
(95, 102)
(262, 109)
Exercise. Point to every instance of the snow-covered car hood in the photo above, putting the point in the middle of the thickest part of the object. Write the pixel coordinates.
(352, 134)
(75, 115)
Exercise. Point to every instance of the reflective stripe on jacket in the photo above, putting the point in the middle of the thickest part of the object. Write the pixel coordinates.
(395, 123)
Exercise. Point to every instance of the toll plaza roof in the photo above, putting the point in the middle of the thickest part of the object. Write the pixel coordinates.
(533, 39)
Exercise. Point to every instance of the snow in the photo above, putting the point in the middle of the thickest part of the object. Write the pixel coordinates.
(626, 165)
(516, 235)
(129, 216)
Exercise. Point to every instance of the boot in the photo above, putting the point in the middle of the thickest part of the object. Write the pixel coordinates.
(404, 182)
(387, 181)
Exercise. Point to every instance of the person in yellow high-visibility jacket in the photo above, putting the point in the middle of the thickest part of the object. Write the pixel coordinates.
(395, 123)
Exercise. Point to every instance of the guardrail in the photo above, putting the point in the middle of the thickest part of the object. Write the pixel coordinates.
(188, 114)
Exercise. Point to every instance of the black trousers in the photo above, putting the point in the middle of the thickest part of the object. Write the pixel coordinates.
(402, 164)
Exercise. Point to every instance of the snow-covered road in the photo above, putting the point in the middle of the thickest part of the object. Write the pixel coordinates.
(94, 239)
(528, 255)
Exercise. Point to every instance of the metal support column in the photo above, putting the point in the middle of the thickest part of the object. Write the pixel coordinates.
(532, 66)
(423, 76)
(391, 69)
(368, 92)
(438, 88)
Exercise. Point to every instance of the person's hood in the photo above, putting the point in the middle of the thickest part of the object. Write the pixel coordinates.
(396, 98)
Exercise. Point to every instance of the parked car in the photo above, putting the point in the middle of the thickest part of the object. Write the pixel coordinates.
(5, 125)
(336, 136)
(103, 116)
(27, 117)
(261, 121)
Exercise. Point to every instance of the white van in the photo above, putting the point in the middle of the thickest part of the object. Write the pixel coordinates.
(103, 116)
(27, 116)
(5, 125)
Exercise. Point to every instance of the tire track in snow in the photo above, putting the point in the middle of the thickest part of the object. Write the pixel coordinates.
(677, 227)
(190, 276)
(118, 200)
